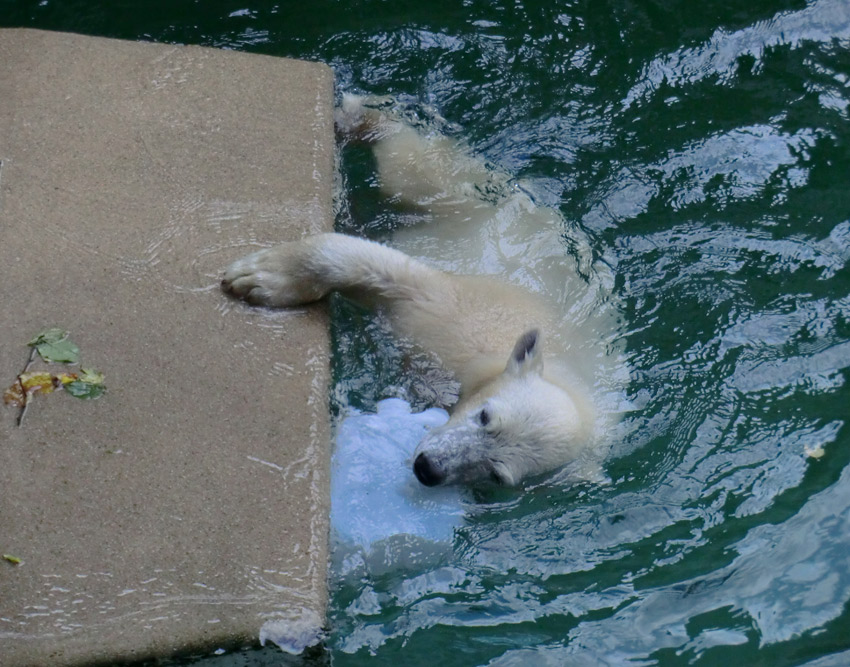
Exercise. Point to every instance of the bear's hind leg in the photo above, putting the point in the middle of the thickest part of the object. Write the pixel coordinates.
(361, 118)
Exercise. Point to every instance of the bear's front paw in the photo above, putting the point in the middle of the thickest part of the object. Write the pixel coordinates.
(272, 277)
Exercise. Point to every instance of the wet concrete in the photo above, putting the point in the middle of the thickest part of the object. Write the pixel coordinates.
(186, 509)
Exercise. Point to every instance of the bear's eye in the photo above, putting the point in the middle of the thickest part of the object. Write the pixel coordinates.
(484, 417)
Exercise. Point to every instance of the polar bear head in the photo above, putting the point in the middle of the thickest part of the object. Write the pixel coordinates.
(518, 424)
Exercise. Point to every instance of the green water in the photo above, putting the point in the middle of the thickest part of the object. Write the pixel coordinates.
(704, 148)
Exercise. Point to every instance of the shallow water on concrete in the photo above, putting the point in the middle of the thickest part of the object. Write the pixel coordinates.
(702, 149)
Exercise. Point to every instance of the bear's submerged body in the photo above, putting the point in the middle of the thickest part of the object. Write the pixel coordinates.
(531, 344)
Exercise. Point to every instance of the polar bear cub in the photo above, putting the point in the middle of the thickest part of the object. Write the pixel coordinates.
(526, 404)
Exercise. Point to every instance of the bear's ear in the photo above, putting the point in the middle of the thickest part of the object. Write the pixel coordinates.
(527, 356)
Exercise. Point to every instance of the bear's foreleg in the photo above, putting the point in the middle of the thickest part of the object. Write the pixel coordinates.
(304, 271)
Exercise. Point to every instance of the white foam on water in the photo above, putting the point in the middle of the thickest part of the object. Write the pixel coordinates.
(376, 500)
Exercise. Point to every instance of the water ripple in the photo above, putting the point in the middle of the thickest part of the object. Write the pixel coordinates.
(822, 22)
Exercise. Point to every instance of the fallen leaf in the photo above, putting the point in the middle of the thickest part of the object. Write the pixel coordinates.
(14, 395)
(63, 352)
(85, 389)
(36, 382)
(14, 560)
(52, 335)
(53, 345)
(90, 376)
(89, 384)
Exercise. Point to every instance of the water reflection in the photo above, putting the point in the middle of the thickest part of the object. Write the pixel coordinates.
(782, 583)
(823, 22)
(724, 168)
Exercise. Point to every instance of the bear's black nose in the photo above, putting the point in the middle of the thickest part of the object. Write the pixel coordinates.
(425, 472)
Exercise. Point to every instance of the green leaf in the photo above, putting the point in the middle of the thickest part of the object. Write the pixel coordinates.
(14, 560)
(64, 352)
(53, 345)
(89, 384)
(82, 389)
(52, 335)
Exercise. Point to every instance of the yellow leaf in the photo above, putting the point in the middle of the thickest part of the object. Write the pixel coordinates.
(90, 376)
(65, 378)
(36, 382)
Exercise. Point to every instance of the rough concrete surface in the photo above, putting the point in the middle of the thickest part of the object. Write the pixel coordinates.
(188, 506)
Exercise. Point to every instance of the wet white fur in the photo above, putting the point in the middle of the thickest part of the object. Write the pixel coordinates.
(537, 390)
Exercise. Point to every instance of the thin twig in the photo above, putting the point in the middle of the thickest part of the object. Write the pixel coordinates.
(24, 392)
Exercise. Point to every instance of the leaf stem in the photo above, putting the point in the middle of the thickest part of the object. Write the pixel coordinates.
(26, 402)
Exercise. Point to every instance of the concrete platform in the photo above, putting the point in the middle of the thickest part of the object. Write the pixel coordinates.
(188, 506)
